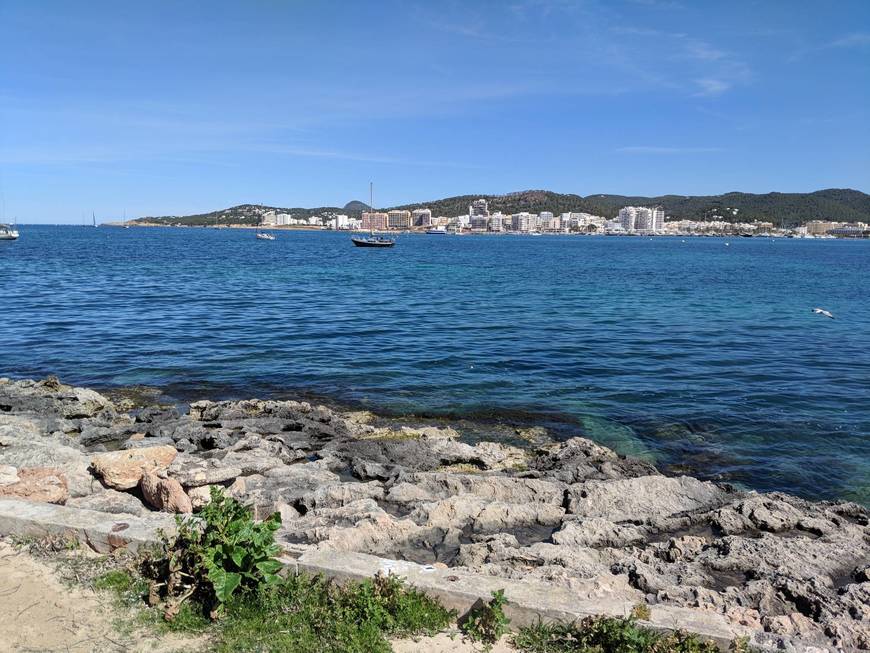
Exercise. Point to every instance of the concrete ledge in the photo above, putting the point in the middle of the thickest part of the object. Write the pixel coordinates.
(103, 532)
(527, 602)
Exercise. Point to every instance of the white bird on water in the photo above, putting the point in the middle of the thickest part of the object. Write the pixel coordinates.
(822, 311)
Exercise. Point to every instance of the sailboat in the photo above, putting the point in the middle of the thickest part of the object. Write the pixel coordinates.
(93, 219)
(8, 232)
(372, 240)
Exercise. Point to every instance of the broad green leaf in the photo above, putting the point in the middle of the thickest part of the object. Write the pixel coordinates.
(224, 583)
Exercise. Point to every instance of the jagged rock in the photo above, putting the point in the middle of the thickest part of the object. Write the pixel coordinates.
(335, 495)
(199, 496)
(684, 548)
(23, 445)
(428, 486)
(121, 470)
(139, 443)
(51, 397)
(254, 455)
(164, 494)
(465, 510)
(761, 512)
(42, 484)
(579, 459)
(109, 501)
(194, 472)
(597, 533)
(643, 499)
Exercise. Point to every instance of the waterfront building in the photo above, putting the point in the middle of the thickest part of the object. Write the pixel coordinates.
(283, 219)
(821, 227)
(658, 219)
(520, 221)
(628, 218)
(478, 222)
(374, 220)
(479, 208)
(642, 218)
(421, 217)
(398, 219)
(497, 221)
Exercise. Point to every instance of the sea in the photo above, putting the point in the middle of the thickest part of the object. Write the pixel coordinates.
(701, 355)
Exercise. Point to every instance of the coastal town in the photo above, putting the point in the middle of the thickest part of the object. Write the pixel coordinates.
(630, 221)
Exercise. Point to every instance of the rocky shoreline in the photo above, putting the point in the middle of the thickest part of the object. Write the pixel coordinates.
(574, 514)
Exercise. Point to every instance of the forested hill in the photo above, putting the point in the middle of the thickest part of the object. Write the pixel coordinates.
(789, 209)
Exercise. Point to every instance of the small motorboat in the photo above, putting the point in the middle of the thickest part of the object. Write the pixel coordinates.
(8, 232)
(262, 235)
(437, 231)
(373, 241)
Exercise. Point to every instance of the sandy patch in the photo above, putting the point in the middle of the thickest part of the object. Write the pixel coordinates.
(39, 613)
(444, 643)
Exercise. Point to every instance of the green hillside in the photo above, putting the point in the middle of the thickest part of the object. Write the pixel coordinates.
(788, 209)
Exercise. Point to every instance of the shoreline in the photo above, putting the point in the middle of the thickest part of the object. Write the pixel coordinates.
(572, 514)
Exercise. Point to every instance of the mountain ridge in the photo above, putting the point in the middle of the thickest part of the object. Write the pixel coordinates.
(788, 209)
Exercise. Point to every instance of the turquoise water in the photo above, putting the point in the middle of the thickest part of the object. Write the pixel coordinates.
(702, 356)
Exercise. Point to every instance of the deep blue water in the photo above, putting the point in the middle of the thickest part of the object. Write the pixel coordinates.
(692, 352)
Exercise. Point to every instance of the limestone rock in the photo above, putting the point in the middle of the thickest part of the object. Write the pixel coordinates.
(22, 445)
(643, 499)
(122, 470)
(165, 494)
(597, 533)
(110, 501)
(42, 484)
(194, 472)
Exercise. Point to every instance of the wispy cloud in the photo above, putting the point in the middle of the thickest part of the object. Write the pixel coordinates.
(710, 87)
(855, 40)
(655, 149)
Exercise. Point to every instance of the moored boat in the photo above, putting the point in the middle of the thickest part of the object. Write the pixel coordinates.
(8, 232)
(437, 231)
(373, 241)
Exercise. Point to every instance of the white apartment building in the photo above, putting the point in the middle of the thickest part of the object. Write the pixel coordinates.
(478, 207)
(498, 221)
(642, 218)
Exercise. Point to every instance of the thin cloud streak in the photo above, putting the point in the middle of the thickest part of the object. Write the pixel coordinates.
(654, 149)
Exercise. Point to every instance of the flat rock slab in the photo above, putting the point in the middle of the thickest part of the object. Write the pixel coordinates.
(103, 532)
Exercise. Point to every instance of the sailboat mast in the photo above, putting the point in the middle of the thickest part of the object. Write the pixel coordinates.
(371, 207)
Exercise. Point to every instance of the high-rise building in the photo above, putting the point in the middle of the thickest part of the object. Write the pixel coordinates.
(398, 219)
(421, 217)
(374, 220)
(478, 207)
(658, 219)
(642, 218)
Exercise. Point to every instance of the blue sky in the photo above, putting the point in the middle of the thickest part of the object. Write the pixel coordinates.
(179, 107)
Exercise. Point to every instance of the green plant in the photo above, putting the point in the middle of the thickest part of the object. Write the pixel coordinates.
(486, 623)
(604, 635)
(212, 555)
(310, 614)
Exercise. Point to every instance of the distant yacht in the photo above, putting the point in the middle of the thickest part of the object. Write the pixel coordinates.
(372, 240)
(437, 231)
(8, 232)
(264, 235)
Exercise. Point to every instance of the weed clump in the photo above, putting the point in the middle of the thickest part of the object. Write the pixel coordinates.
(213, 554)
(605, 634)
(486, 623)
